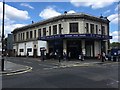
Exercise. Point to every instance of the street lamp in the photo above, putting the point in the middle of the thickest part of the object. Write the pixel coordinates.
(2, 61)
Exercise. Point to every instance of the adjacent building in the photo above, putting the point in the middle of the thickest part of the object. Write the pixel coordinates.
(74, 33)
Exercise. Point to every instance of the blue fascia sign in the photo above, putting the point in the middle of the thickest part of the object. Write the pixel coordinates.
(93, 36)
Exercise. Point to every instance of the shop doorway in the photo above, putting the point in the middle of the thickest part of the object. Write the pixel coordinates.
(74, 47)
(35, 53)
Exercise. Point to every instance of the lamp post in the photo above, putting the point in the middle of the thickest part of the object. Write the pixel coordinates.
(2, 61)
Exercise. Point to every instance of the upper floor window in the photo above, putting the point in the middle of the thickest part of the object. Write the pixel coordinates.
(27, 35)
(103, 30)
(31, 34)
(96, 29)
(19, 37)
(44, 31)
(14, 38)
(92, 28)
(39, 32)
(73, 27)
(23, 36)
(49, 30)
(54, 29)
(87, 27)
(60, 29)
(34, 33)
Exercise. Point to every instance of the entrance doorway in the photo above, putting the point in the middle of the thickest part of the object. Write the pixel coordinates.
(74, 47)
(35, 53)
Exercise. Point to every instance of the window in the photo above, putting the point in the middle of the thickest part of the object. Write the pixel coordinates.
(73, 27)
(31, 34)
(87, 28)
(103, 30)
(49, 30)
(21, 50)
(92, 28)
(39, 32)
(44, 31)
(27, 35)
(14, 38)
(23, 36)
(54, 29)
(29, 49)
(18, 37)
(34, 33)
(96, 29)
(60, 29)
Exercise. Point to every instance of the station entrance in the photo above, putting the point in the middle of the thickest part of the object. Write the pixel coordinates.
(74, 48)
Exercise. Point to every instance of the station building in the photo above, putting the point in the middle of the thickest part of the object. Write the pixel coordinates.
(75, 33)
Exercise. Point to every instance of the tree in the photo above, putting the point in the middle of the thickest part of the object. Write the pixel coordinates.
(115, 45)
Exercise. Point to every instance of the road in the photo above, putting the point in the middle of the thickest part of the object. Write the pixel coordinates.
(97, 76)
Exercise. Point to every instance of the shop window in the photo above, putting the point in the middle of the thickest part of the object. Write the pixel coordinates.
(54, 29)
(73, 27)
(29, 50)
(21, 50)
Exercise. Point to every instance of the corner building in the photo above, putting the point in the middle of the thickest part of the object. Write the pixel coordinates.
(74, 33)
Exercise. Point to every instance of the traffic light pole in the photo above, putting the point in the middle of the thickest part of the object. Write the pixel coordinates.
(2, 61)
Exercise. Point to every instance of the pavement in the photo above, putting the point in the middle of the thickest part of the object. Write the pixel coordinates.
(13, 68)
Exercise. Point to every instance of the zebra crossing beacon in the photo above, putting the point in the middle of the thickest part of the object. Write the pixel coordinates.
(67, 33)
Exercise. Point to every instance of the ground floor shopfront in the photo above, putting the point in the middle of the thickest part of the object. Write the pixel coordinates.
(90, 48)
(89, 45)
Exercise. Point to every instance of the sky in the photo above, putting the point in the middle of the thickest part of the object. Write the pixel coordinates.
(22, 13)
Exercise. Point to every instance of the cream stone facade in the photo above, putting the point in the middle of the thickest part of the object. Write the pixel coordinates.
(69, 33)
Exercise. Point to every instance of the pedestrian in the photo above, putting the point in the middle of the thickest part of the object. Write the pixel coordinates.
(55, 55)
(59, 57)
(82, 56)
(69, 56)
(27, 54)
(64, 56)
(109, 56)
(103, 56)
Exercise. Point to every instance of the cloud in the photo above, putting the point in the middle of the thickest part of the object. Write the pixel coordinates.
(115, 36)
(107, 11)
(10, 27)
(92, 3)
(48, 13)
(71, 11)
(113, 18)
(13, 13)
(27, 5)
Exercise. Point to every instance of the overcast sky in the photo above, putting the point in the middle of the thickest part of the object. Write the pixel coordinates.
(18, 14)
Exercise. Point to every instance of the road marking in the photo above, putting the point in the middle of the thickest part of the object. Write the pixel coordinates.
(27, 62)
